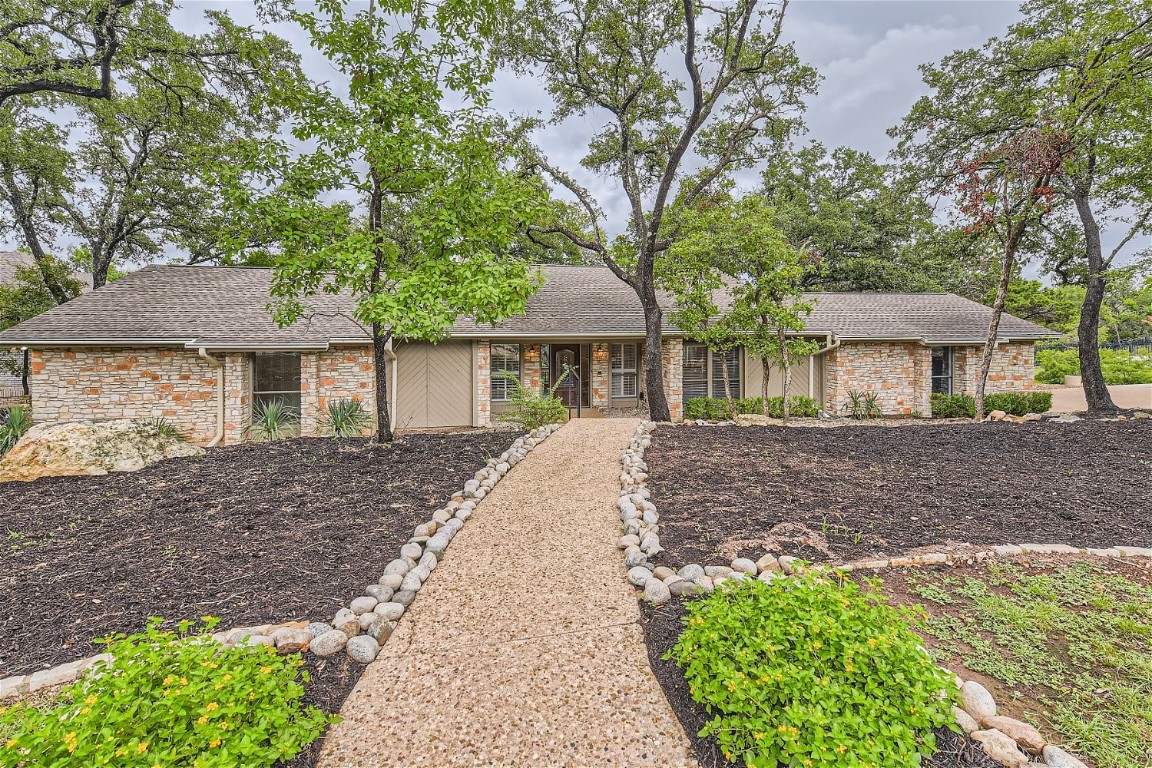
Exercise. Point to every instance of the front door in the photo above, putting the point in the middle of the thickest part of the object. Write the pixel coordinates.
(565, 372)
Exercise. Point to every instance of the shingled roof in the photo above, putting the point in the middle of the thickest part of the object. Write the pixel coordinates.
(226, 307)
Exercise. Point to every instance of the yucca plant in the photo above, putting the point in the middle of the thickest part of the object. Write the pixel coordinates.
(165, 428)
(863, 405)
(14, 422)
(346, 417)
(273, 420)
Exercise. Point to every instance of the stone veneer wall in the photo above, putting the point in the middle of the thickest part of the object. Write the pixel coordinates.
(1013, 368)
(335, 374)
(105, 383)
(530, 369)
(899, 373)
(600, 385)
(672, 363)
(237, 396)
(482, 357)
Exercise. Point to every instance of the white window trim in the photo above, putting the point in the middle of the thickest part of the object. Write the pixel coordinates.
(616, 375)
(504, 384)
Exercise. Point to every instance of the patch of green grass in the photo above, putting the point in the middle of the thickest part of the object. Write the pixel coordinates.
(1079, 639)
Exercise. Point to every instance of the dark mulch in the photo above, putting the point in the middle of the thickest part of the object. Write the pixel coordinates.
(854, 492)
(662, 626)
(253, 534)
(333, 678)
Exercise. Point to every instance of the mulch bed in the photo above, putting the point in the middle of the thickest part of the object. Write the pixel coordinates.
(254, 534)
(332, 679)
(850, 493)
(662, 626)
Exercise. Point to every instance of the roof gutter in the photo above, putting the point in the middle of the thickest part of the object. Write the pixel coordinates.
(219, 436)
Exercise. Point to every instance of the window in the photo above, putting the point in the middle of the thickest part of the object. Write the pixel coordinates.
(732, 359)
(505, 360)
(695, 374)
(622, 362)
(276, 376)
(942, 370)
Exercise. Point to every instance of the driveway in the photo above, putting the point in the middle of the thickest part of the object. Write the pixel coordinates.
(1071, 399)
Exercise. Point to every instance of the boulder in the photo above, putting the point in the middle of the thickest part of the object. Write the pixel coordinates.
(997, 416)
(90, 448)
(977, 701)
(1054, 757)
(1022, 733)
(1001, 748)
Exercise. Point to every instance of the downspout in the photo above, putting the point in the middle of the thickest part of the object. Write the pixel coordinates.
(219, 436)
(812, 362)
(390, 356)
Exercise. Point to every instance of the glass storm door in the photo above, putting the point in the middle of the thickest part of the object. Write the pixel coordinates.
(565, 370)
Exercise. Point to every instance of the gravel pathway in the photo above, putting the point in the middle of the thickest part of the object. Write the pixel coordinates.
(525, 646)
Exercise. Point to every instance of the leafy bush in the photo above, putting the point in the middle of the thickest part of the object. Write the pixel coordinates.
(808, 671)
(14, 422)
(1052, 365)
(345, 417)
(1014, 403)
(170, 699)
(531, 409)
(716, 408)
(863, 405)
(273, 420)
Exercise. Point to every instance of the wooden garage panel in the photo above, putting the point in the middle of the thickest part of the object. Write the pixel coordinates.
(433, 385)
(753, 378)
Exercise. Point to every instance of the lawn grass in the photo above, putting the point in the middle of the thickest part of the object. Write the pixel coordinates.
(1072, 644)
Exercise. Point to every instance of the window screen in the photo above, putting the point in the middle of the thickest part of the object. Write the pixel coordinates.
(276, 376)
(505, 360)
(695, 374)
(942, 370)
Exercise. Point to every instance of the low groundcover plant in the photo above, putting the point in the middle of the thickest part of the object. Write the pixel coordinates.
(812, 671)
(169, 698)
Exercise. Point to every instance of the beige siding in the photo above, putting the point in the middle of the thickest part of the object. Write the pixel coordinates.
(433, 385)
(810, 369)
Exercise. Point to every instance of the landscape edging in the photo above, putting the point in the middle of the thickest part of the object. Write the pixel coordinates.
(350, 622)
(640, 525)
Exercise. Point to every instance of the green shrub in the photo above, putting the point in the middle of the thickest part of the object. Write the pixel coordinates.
(531, 409)
(14, 422)
(170, 699)
(1014, 403)
(807, 671)
(1052, 365)
(716, 408)
(346, 417)
(273, 420)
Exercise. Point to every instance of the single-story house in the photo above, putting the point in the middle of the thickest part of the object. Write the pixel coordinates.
(197, 346)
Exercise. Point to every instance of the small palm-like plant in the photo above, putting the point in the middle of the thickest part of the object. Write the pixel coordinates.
(273, 420)
(14, 422)
(165, 428)
(863, 405)
(346, 418)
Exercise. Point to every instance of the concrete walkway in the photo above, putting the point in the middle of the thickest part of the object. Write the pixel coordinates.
(523, 649)
(1071, 399)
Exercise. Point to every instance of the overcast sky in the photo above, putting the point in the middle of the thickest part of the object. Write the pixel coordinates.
(866, 50)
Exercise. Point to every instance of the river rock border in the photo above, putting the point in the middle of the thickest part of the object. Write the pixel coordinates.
(365, 624)
(1009, 741)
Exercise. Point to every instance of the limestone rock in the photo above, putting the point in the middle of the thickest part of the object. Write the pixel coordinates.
(363, 604)
(1022, 733)
(639, 576)
(997, 416)
(390, 611)
(1001, 748)
(691, 572)
(289, 640)
(90, 448)
(744, 565)
(977, 701)
(682, 588)
(362, 649)
(329, 643)
(768, 563)
(1054, 757)
(964, 720)
(655, 591)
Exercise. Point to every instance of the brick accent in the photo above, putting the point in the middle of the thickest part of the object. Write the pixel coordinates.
(600, 384)
(672, 363)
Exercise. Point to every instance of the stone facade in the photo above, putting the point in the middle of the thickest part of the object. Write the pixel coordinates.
(335, 374)
(600, 385)
(672, 362)
(530, 369)
(900, 373)
(237, 396)
(482, 357)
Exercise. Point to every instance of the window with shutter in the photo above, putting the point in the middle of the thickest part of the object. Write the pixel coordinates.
(622, 363)
(505, 361)
(695, 374)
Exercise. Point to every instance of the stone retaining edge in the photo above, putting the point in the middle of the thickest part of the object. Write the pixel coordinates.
(362, 627)
(1005, 739)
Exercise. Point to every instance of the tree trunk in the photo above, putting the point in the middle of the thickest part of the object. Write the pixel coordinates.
(997, 310)
(653, 347)
(1088, 331)
(32, 240)
(786, 370)
(25, 372)
(765, 370)
(380, 358)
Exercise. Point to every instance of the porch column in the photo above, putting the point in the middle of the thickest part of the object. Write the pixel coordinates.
(672, 362)
(482, 366)
(600, 383)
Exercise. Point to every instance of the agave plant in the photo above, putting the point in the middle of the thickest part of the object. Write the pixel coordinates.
(14, 422)
(165, 428)
(345, 418)
(863, 405)
(273, 420)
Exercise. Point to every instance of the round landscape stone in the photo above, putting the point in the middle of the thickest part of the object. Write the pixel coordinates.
(392, 580)
(381, 630)
(363, 605)
(691, 572)
(391, 611)
(683, 588)
(404, 597)
(413, 551)
(639, 576)
(329, 643)
(744, 565)
(1054, 757)
(396, 568)
(290, 640)
(363, 649)
(411, 583)
(656, 592)
(977, 701)
(381, 592)
(318, 628)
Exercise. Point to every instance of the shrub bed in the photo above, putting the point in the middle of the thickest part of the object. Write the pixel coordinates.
(717, 409)
(170, 698)
(812, 671)
(1012, 403)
